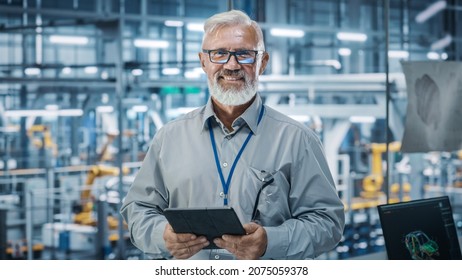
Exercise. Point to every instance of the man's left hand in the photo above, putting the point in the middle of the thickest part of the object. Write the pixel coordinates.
(245, 247)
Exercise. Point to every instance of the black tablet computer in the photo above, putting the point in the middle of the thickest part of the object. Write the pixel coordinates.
(208, 222)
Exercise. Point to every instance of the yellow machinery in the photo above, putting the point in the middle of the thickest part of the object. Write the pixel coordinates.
(105, 155)
(46, 141)
(458, 175)
(372, 184)
(85, 217)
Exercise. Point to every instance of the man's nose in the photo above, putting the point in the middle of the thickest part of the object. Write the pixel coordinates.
(232, 63)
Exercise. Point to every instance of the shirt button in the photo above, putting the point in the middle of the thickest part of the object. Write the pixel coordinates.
(222, 194)
(225, 164)
(217, 257)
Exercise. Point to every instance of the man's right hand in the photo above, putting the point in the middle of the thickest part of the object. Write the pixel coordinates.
(183, 245)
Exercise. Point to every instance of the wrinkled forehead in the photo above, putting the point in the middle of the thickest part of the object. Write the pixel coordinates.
(240, 34)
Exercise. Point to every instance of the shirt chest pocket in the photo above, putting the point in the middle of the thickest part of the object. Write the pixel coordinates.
(272, 202)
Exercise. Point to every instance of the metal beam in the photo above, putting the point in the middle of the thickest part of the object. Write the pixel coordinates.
(64, 82)
(340, 111)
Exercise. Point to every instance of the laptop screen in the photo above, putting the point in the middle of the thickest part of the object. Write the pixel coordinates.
(420, 230)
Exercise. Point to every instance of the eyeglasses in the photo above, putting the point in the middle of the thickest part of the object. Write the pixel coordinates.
(267, 180)
(223, 56)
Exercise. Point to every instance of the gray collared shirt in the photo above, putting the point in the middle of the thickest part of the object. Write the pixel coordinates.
(300, 211)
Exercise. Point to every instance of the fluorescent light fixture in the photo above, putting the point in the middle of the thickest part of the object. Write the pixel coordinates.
(90, 70)
(104, 75)
(9, 129)
(433, 55)
(349, 36)
(70, 113)
(192, 74)
(44, 113)
(195, 73)
(398, 54)
(153, 44)
(441, 43)
(198, 70)
(174, 23)
(137, 72)
(430, 11)
(362, 119)
(104, 109)
(197, 27)
(68, 40)
(444, 56)
(32, 71)
(301, 118)
(28, 113)
(131, 115)
(140, 108)
(51, 107)
(171, 71)
(66, 70)
(344, 51)
(281, 32)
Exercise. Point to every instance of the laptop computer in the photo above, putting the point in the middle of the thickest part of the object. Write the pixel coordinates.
(421, 229)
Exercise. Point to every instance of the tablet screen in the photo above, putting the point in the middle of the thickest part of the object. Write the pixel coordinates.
(208, 222)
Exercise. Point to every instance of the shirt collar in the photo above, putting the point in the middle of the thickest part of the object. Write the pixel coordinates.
(250, 116)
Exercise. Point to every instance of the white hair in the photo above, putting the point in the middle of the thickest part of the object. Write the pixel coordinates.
(232, 18)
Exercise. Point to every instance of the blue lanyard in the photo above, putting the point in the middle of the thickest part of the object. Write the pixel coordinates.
(217, 161)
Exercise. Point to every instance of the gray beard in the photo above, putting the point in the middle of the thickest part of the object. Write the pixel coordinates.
(233, 97)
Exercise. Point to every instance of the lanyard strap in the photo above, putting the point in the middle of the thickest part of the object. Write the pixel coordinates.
(226, 184)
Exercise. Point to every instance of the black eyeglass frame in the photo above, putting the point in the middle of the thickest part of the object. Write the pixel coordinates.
(267, 180)
(235, 53)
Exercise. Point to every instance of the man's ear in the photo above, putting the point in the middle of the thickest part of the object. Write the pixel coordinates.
(202, 60)
(264, 62)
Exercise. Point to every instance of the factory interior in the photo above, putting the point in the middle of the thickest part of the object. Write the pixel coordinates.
(85, 85)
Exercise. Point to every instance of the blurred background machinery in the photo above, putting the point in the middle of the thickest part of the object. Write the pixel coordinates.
(86, 84)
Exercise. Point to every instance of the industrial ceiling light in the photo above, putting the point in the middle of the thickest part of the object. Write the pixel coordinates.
(68, 40)
(137, 72)
(66, 70)
(70, 112)
(154, 44)
(398, 54)
(44, 113)
(191, 75)
(349, 36)
(281, 32)
(105, 109)
(430, 11)
(171, 71)
(52, 107)
(433, 55)
(173, 23)
(90, 70)
(362, 119)
(104, 75)
(344, 52)
(32, 71)
(441, 43)
(140, 108)
(196, 27)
